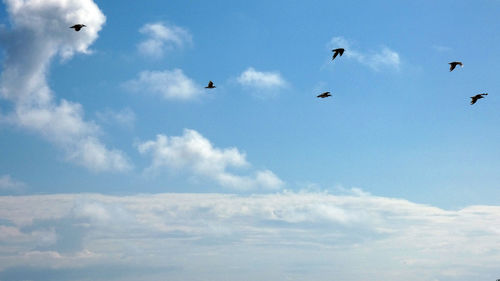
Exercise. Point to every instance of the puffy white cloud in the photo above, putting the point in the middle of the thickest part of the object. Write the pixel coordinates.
(261, 80)
(39, 32)
(194, 152)
(304, 236)
(170, 84)
(161, 37)
(376, 60)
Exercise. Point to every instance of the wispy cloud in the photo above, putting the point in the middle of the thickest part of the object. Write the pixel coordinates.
(170, 84)
(441, 48)
(376, 60)
(161, 38)
(306, 235)
(195, 153)
(125, 117)
(8, 184)
(40, 32)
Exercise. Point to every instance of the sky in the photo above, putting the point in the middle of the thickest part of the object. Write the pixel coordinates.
(117, 164)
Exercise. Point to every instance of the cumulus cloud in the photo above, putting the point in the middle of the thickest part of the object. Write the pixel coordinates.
(170, 84)
(376, 60)
(261, 80)
(194, 152)
(8, 184)
(39, 32)
(304, 236)
(161, 37)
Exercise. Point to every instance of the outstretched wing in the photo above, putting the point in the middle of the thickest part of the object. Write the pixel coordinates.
(452, 66)
(335, 54)
(474, 99)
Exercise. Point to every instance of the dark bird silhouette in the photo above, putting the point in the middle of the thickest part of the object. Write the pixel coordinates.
(339, 51)
(476, 97)
(210, 85)
(324, 95)
(454, 64)
(77, 27)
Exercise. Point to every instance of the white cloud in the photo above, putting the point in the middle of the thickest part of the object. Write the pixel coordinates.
(261, 80)
(7, 183)
(170, 84)
(384, 58)
(40, 31)
(161, 37)
(195, 153)
(303, 236)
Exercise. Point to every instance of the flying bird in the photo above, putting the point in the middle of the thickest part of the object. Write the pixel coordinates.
(454, 64)
(210, 85)
(77, 27)
(476, 97)
(339, 51)
(324, 95)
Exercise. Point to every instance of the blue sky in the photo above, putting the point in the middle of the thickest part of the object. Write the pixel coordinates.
(97, 119)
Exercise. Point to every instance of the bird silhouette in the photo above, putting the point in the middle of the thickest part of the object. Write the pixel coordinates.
(210, 85)
(77, 27)
(454, 64)
(324, 95)
(476, 97)
(338, 51)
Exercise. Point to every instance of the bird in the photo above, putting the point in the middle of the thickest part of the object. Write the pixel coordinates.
(338, 51)
(77, 27)
(210, 85)
(324, 95)
(454, 64)
(476, 97)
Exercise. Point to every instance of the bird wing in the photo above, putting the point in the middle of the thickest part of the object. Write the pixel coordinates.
(452, 66)
(335, 55)
(341, 51)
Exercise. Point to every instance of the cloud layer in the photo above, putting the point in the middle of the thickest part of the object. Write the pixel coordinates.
(376, 60)
(39, 32)
(196, 154)
(297, 236)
